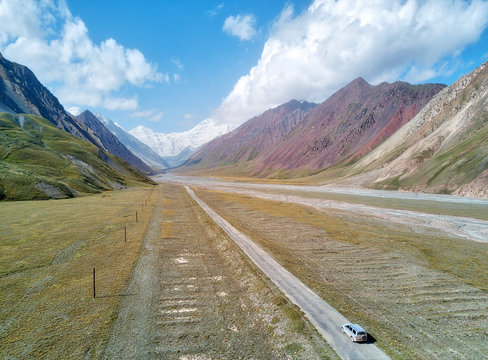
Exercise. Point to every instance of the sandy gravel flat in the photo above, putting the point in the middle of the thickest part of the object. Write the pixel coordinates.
(463, 227)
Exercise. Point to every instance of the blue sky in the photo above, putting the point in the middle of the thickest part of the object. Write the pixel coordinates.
(184, 38)
(168, 65)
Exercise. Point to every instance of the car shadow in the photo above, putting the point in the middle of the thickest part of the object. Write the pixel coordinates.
(371, 339)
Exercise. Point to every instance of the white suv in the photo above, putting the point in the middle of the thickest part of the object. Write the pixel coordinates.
(355, 332)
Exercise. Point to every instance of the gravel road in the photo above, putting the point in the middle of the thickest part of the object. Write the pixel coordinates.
(324, 317)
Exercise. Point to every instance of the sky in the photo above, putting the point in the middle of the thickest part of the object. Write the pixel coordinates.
(169, 65)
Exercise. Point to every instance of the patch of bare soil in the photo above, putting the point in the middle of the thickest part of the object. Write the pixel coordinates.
(194, 295)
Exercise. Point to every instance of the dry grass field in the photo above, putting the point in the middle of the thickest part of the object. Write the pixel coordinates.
(209, 302)
(197, 296)
(48, 250)
(420, 296)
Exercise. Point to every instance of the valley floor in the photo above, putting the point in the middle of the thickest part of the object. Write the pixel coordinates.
(416, 280)
(413, 272)
(179, 288)
(48, 250)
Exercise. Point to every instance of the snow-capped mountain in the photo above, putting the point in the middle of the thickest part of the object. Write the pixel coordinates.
(173, 144)
(140, 149)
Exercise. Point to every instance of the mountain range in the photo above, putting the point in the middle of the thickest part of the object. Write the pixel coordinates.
(22, 93)
(45, 152)
(299, 138)
(397, 136)
(138, 148)
(423, 138)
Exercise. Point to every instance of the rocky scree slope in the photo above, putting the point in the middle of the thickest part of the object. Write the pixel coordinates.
(444, 149)
(110, 142)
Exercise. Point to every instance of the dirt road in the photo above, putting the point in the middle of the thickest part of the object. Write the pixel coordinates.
(128, 338)
(325, 318)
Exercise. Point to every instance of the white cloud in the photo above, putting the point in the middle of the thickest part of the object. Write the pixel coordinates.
(111, 103)
(178, 64)
(311, 55)
(150, 115)
(44, 36)
(241, 26)
(75, 110)
(216, 10)
(188, 116)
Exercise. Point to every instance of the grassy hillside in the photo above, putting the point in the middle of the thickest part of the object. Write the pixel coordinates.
(39, 161)
(447, 170)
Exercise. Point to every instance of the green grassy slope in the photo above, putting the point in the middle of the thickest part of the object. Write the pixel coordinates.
(447, 170)
(39, 161)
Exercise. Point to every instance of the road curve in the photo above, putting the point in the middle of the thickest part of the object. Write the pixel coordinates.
(324, 317)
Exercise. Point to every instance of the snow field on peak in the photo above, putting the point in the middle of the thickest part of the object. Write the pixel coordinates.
(174, 143)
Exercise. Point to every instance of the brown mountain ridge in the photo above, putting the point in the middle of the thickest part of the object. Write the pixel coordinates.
(307, 138)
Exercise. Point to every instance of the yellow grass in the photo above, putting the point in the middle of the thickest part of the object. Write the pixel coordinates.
(48, 250)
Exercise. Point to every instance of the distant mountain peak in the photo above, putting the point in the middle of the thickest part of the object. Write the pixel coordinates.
(172, 144)
(137, 147)
(359, 81)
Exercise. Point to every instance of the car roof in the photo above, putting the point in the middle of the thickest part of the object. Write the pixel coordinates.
(356, 327)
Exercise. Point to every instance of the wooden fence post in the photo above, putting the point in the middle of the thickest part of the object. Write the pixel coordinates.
(94, 291)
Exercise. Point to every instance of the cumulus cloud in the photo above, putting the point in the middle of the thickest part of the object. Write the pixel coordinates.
(241, 26)
(55, 45)
(313, 54)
